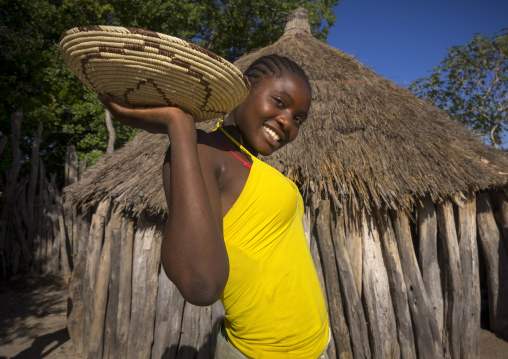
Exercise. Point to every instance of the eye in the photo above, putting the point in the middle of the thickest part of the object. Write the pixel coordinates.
(278, 102)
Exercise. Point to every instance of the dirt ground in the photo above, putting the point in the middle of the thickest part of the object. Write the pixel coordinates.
(33, 313)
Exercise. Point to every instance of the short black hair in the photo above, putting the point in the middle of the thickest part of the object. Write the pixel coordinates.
(274, 66)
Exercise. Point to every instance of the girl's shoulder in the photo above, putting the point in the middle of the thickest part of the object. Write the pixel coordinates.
(209, 152)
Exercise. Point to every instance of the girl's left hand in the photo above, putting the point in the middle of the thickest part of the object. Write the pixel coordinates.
(153, 120)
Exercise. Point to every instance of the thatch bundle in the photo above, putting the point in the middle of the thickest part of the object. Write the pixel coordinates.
(392, 216)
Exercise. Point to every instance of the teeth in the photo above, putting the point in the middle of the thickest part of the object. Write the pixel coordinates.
(271, 133)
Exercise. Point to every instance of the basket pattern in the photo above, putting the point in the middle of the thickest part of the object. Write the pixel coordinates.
(143, 68)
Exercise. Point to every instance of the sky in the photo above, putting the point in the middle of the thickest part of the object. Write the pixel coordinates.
(404, 39)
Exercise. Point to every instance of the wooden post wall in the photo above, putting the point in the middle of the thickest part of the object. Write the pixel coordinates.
(406, 306)
(496, 260)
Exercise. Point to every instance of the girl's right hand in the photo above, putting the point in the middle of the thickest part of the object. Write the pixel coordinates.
(153, 120)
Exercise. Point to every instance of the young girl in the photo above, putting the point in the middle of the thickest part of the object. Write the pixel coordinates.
(234, 229)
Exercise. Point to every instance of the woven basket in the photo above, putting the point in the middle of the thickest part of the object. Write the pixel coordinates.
(142, 68)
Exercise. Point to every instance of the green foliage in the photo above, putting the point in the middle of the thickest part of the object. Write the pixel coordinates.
(471, 83)
(34, 77)
(228, 27)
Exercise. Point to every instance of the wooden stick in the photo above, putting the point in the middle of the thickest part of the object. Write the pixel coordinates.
(398, 288)
(314, 251)
(124, 288)
(335, 309)
(168, 319)
(72, 165)
(471, 297)
(354, 245)
(188, 337)
(352, 300)
(10, 187)
(217, 315)
(428, 253)
(453, 278)
(427, 336)
(110, 326)
(147, 243)
(65, 269)
(204, 333)
(95, 240)
(111, 132)
(497, 265)
(376, 293)
(75, 319)
(54, 248)
(503, 204)
(95, 332)
(32, 184)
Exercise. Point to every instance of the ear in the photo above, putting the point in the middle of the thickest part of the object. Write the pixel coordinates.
(247, 82)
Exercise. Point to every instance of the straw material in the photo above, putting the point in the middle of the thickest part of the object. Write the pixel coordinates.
(142, 68)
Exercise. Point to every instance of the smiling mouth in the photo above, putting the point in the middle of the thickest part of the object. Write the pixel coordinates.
(272, 133)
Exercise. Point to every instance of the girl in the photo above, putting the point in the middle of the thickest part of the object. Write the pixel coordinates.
(234, 229)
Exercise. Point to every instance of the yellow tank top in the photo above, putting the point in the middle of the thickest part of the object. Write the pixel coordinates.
(273, 300)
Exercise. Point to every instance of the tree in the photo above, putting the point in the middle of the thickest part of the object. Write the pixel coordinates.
(471, 83)
(34, 77)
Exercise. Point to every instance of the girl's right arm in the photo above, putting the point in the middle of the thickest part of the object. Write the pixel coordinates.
(193, 252)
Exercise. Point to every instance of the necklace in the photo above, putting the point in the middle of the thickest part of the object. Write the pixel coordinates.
(243, 149)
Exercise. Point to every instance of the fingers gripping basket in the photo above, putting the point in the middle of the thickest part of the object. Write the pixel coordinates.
(142, 68)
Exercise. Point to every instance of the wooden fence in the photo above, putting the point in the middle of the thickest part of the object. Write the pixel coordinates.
(38, 230)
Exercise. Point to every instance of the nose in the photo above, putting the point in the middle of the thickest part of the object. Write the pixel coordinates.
(285, 122)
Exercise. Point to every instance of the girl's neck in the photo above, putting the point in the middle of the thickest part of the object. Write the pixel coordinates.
(229, 125)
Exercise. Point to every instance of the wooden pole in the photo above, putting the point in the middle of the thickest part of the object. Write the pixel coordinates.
(72, 165)
(145, 270)
(188, 337)
(453, 279)
(335, 309)
(196, 330)
(54, 242)
(168, 319)
(471, 298)
(94, 348)
(111, 132)
(398, 288)
(354, 245)
(496, 261)
(124, 288)
(352, 300)
(376, 292)
(110, 326)
(75, 319)
(95, 241)
(428, 253)
(9, 190)
(217, 315)
(314, 250)
(503, 204)
(38, 244)
(32, 185)
(427, 336)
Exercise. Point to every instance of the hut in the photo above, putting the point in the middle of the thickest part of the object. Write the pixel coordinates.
(397, 198)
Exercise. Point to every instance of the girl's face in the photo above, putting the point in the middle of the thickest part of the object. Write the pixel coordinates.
(271, 115)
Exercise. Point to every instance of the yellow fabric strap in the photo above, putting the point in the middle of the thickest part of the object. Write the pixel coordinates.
(243, 149)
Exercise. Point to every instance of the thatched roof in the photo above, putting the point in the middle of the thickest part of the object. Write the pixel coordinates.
(367, 141)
